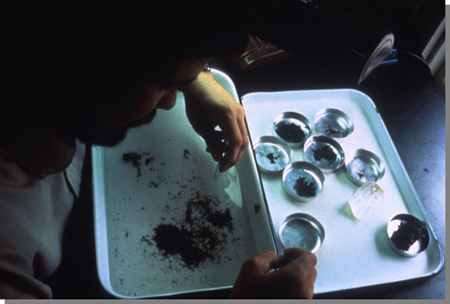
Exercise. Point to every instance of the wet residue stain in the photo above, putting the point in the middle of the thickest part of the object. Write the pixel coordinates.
(186, 154)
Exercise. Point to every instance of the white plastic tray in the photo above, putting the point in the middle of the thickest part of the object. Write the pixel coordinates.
(354, 253)
(127, 209)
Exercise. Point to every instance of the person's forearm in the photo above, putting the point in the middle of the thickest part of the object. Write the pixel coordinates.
(204, 83)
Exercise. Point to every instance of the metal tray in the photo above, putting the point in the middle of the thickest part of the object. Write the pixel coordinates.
(355, 253)
(129, 204)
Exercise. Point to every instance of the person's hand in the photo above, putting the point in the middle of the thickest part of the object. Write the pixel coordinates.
(218, 118)
(268, 276)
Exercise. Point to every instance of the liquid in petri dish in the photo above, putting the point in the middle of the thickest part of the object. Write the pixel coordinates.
(364, 171)
(271, 157)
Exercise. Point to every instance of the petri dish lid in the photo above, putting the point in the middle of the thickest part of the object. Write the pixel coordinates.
(272, 154)
(324, 152)
(301, 230)
(408, 235)
(365, 167)
(333, 123)
(293, 128)
(302, 181)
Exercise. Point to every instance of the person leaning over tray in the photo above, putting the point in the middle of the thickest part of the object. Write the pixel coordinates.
(95, 83)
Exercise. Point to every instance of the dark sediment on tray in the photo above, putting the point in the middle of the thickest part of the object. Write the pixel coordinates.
(201, 236)
(134, 159)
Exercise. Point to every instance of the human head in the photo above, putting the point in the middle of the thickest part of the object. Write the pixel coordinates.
(94, 90)
(117, 82)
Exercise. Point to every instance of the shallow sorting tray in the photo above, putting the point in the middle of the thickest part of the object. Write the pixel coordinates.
(138, 195)
(354, 253)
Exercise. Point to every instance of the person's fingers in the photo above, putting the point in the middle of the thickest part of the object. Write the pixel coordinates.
(243, 128)
(259, 264)
(288, 255)
(214, 143)
(265, 260)
(308, 287)
(291, 254)
(251, 282)
(304, 277)
(168, 100)
(215, 149)
(234, 136)
(296, 273)
(215, 155)
(304, 263)
(296, 280)
(313, 274)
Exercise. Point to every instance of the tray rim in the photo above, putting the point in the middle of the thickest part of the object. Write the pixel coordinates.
(101, 242)
(368, 105)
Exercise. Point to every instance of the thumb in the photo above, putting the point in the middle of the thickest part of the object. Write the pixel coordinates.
(260, 264)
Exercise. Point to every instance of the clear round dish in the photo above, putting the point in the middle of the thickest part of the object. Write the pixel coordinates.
(333, 123)
(272, 154)
(301, 230)
(302, 181)
(407, 235)
(324, 152)
(365, 167)
(293, 128)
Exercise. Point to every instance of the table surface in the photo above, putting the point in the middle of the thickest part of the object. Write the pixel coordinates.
(413, 109)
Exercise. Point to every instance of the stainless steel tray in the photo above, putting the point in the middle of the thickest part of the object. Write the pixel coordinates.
(130, 204)
(354, 253)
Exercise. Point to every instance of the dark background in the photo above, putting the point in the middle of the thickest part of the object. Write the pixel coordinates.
(360, 24)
